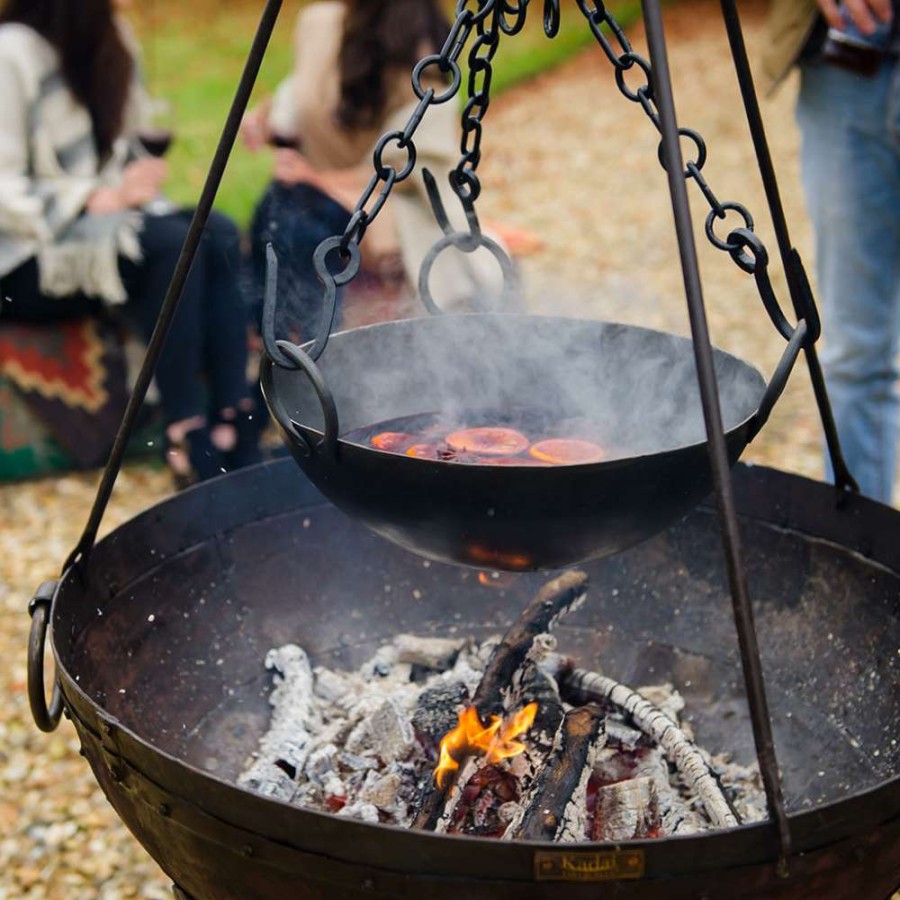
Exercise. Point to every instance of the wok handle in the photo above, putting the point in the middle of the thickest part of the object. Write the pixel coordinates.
(45, 717)
(301, 360)
(779, 379)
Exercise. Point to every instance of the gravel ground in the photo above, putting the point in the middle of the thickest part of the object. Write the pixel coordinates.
(566, 157)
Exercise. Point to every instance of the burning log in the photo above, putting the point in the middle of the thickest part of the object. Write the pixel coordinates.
(503, 674)
(681, 752)
(556, 806)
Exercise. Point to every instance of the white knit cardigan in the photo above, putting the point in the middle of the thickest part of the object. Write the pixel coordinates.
(48, 169)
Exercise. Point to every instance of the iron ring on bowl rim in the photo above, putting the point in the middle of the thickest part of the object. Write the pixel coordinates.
(46, 716)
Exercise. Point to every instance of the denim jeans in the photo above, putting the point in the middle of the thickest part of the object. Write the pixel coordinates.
(850, 155)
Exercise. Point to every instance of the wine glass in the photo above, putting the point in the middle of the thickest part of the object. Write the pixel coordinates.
(157, 131)
(155, 136)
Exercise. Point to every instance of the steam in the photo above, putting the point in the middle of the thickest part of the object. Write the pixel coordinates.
(636, 389)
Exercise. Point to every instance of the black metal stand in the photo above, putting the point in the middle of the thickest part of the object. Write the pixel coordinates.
(737, 572)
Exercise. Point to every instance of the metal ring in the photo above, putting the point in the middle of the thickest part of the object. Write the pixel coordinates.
(45, 717)
(302, 360)
(518, 10)
(466, 243)
(628, 61)
(720, 214)
(410, 148)
(348, 273)
(433, 60)
(483, 11)
(699, 143)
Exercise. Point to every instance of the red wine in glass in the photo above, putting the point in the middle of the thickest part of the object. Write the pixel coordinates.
(156, 141)
(284, 141)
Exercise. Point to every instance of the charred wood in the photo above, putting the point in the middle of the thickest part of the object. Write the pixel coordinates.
(556, 806)
(437, 711)
(580, 685)
(555, 599)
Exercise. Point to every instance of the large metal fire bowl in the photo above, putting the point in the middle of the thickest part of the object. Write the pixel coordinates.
(160, 653)
(638, 385)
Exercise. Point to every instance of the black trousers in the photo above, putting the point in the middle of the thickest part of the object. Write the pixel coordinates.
(295, 219)
(202, 368)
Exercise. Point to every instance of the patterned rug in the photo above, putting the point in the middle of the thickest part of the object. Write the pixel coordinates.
(65, 381)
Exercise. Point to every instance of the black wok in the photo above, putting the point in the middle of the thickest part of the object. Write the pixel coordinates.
(638, 386)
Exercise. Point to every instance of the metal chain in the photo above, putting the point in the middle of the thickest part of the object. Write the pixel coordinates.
(744, 247)
(488, 18)
(506, 17)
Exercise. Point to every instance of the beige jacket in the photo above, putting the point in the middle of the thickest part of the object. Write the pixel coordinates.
(49, 168)
(790, 25)
(304, 106)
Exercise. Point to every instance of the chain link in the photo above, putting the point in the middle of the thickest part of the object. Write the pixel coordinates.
(446, 61)
(742, 244)
(465, 182)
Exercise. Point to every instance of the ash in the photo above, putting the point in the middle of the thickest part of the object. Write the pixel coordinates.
(365, 744)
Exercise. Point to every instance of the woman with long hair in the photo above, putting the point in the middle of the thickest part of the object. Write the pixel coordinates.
(77, 234)
(351, 84)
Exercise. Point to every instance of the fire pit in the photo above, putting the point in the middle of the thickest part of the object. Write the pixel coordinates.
(160, 631)
(161, 650)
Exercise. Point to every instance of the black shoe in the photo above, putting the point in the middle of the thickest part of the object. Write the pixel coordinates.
(249, 427)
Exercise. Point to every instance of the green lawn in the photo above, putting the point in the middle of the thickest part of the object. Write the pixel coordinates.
(193, 55)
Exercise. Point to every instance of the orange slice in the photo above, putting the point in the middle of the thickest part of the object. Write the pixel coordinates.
(425, 451)
(392, 441)
(488, 441)
(567, 451)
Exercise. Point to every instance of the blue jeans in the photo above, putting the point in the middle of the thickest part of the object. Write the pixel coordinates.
(850, 154)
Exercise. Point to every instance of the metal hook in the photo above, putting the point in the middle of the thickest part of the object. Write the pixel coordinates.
(440, 211)
(270, 300)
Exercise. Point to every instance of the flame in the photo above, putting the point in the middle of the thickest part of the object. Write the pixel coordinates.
(499, 559)
(496, 741)
(498, 580)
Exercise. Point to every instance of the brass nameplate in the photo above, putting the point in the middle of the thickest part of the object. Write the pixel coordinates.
(605, 865)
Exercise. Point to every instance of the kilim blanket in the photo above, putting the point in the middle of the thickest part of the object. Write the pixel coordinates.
(71, 377)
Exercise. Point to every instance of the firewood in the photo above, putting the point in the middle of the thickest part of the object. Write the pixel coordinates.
(626, 810)
(558, 597)
(580, 685)
(535, 686)
(502, 672)
(556, 806)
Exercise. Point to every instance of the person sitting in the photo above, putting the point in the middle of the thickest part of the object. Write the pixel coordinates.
(79, 232)
(351, 84)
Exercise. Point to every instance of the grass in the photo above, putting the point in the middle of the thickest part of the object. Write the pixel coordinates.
(193, 57)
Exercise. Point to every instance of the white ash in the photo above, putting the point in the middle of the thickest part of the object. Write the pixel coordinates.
(627, 810)
(363, 744)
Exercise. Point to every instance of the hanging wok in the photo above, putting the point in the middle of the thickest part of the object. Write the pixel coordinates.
(637, 386)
